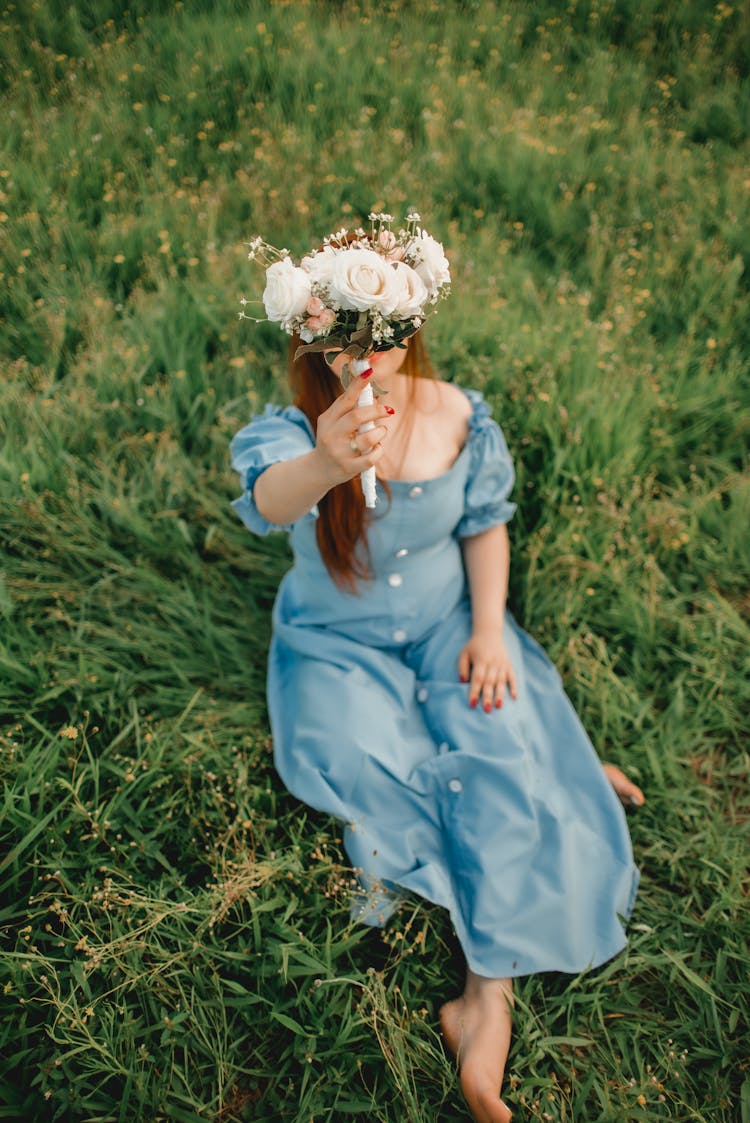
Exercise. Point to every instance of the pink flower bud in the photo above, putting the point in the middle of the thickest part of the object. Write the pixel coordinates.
(314, 306)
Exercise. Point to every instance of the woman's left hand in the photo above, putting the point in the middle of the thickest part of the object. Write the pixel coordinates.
(485, 664)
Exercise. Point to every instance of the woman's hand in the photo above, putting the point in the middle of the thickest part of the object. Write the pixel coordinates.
(485, 664)
(343, 451)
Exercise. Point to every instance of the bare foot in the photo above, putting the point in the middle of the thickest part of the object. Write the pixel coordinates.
(630, 794)
(477, 1030)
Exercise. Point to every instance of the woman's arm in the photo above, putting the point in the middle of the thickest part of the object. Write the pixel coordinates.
(487, 560)
(484, 661)
(287, 490)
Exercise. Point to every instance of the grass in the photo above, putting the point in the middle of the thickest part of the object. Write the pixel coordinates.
(175, 934)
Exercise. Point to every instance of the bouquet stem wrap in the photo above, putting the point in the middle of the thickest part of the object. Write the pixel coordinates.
(366, 398)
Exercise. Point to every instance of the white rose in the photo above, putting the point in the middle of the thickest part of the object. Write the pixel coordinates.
(362, 280)
(412, 295)
(430, 261)
(320, 265)
(287, 291)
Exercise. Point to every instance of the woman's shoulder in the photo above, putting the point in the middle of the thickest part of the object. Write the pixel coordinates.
(453, 398)
(275, 412)
(445, 400)
(274, 421)
(466, 406)
(278, 433)
(447, 409)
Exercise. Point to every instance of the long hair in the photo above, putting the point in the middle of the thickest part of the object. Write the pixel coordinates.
(342, 523)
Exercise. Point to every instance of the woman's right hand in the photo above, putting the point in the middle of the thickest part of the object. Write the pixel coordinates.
(343, 451)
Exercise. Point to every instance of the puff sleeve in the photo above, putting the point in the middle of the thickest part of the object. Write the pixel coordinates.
(280, 433)
(491, 474)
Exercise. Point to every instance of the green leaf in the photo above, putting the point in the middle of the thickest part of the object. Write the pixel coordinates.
(694, 979)
(290, 1023)
(745, 1100)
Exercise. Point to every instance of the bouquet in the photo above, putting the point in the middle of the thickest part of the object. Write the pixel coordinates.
(356, 294)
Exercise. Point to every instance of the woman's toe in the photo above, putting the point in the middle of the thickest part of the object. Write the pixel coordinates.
(629, 793)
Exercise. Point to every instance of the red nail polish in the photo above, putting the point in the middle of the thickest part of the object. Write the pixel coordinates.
(366, 373)
(463, 678)
(473, 702)
(487, 708)
(498, 703)
(389, 409)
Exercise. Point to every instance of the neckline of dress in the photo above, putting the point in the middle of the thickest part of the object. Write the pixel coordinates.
(474, 399)
(430, 479)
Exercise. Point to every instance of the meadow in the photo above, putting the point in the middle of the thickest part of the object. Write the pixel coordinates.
(175, 941)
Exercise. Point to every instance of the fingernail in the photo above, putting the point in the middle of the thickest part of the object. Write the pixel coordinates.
(498, 703)
(366, 373)
(473, 702)
(389, 409)
(463, 678)
(487, 708)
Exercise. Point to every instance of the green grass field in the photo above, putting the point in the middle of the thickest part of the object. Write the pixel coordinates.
(175, 928)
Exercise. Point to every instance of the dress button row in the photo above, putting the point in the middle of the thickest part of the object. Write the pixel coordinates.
(415, 492)
(401, 553)
(399, 635)
(423, 694)
(455, 786)
(394, 580)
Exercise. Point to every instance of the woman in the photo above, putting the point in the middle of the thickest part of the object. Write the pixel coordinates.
(405, 699)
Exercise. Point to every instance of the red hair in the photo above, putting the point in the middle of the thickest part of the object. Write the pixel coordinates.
(341, 525)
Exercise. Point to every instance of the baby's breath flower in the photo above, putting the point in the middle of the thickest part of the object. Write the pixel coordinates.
(255, 245)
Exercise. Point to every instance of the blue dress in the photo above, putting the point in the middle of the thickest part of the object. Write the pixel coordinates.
(506, 819)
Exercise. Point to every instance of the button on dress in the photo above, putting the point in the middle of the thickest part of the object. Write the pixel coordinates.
(505, 819)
